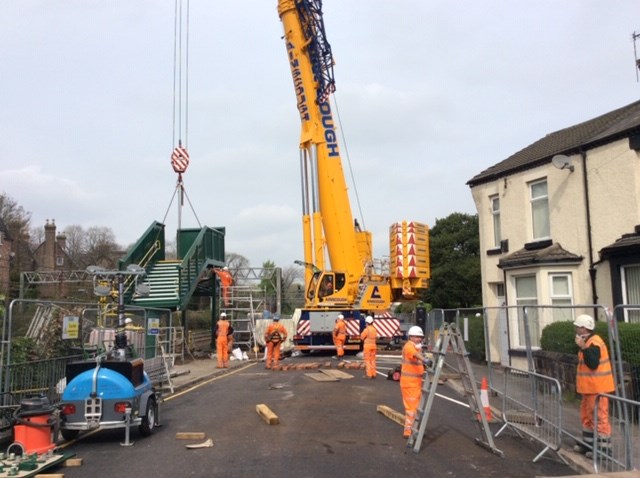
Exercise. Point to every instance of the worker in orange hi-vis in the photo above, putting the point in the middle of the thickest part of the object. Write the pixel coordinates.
(274, 336)
(226, 281)
(223, 330)
(594, 376)
(339, 336)
(369, 336)
(412, 375)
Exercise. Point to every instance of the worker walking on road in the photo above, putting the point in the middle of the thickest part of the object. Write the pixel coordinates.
(369, 336)
(339, 336)
(275, 335)
(223, 331)
(594, 375)
(412, 375)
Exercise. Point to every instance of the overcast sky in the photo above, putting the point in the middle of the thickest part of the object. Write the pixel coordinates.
(429, 94)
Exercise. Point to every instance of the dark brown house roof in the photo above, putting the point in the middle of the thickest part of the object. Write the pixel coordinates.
(553, 254)
(604, 129)
(626, 244)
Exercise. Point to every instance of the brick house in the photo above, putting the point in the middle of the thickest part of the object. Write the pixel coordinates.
(559, 224)
(51, 257)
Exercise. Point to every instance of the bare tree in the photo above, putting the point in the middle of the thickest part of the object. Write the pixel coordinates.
(236, 261)
(17, 222)
(101, 247)
(76, 245)
(292, 288)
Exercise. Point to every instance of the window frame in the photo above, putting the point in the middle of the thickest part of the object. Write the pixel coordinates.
(533, 316)
(539, 205)
(495, 213)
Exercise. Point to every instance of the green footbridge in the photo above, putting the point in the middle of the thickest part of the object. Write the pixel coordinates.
(173, 282)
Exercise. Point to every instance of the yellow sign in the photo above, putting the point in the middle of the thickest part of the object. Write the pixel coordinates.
(70, 327)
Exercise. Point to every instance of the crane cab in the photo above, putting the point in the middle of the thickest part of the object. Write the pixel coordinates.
(327, 288)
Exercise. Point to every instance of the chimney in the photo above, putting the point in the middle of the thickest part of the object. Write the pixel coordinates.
(61, 239)
(49, 256)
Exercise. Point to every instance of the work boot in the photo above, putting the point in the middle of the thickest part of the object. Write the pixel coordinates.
(581, 449)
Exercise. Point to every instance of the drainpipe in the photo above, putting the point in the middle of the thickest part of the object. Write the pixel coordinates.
(592, 269)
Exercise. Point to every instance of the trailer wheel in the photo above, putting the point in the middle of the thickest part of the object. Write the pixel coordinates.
(69, 434)
(149, 418)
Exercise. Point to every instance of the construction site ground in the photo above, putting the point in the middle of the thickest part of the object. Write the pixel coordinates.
(193, 372)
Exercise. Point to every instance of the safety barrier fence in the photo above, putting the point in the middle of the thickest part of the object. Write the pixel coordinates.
(532, 405)
(27, 379)
(622, 451)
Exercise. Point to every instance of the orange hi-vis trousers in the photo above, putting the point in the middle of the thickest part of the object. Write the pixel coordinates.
(369, 354)
(273, 354)
(222, 351)
(411, 394)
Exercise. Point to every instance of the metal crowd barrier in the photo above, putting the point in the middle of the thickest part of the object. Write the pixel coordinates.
(532, 405)
(624, 452)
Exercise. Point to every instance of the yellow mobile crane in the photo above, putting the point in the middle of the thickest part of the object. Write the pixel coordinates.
(347, 283)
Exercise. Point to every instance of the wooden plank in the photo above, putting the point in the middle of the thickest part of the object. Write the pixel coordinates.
(190, 436)
(73, 462)
(391, 413)
(339, 374)
(49, 475)
(208, 443)
(321, 377)
(267, 415)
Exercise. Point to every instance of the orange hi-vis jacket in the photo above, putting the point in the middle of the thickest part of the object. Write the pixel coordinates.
(412, 368)
(369, 335)
(275, 333)
(600, 380)
(340, 329)
(222, 329)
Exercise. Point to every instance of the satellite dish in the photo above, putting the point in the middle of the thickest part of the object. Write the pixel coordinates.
(561, 161)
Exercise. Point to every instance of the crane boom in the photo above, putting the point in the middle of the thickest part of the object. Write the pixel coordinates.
(327, 216)
(338, 255)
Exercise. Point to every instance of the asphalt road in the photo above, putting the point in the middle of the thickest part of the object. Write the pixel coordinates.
(325, 429)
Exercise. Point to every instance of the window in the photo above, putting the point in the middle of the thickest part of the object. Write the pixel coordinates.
(561, 294)
(631, 292)
(495, 212)
(539, 209)
(527, 294)
(59, 260)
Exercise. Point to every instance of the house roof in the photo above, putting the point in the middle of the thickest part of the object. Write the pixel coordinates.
(624, 245)
(552, 254)
(604, 129)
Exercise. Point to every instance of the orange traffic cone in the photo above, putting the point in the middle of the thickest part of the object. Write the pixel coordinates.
(484, 398)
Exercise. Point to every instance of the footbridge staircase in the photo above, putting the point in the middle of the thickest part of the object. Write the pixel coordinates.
(173, 282)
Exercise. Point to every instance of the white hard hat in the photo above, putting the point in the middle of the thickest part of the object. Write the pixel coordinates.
(127, 320)
(585, 321)
(369, 319)
(340, 316)
(223, 314)
(415, 331)
(225, 268)
(276, 317)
